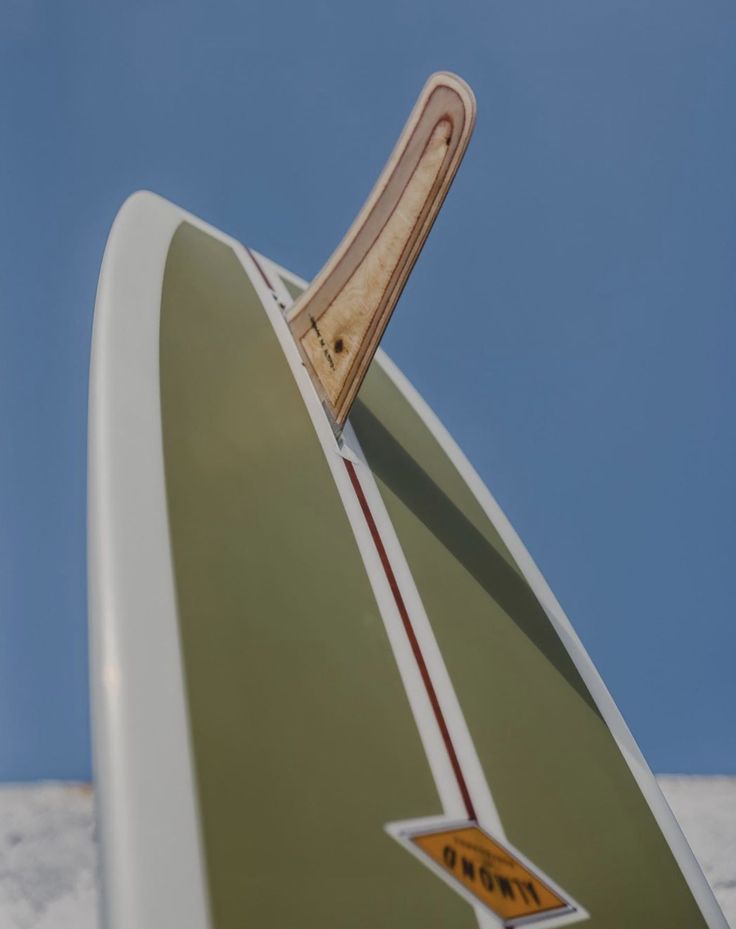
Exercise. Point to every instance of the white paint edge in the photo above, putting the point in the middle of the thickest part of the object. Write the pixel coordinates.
(280, 271)
(152, 870)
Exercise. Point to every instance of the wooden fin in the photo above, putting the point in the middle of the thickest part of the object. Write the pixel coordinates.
(339, 320)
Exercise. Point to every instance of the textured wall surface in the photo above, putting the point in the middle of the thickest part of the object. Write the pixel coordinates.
(48, 855)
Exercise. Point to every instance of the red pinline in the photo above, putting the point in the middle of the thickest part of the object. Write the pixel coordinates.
(258, 266)
(411, 635)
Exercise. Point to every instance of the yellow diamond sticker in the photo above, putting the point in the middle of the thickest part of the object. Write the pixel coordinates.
(486, 871)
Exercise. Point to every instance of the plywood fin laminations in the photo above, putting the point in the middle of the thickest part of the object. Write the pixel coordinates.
(339, 320)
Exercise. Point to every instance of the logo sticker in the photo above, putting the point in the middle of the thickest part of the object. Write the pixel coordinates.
(487, 871)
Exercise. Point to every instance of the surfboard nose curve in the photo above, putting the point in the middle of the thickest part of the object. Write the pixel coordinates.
(136, 203)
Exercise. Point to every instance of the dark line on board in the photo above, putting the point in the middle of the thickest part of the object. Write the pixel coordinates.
(260, 269)
(411, 635)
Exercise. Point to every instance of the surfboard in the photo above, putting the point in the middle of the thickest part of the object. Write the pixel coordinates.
(329, 685)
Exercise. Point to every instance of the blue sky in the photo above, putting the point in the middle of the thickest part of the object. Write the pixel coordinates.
(571, 319)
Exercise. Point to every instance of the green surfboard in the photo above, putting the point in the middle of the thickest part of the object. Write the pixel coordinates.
(330, 687)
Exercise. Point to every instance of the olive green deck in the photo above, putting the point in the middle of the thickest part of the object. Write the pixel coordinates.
(304, 744)
(565, 795)
(303, 740)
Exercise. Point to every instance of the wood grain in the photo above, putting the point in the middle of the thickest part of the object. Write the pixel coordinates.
(339, 320)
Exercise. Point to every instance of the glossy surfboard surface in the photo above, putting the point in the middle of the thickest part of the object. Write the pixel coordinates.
(303, 645)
